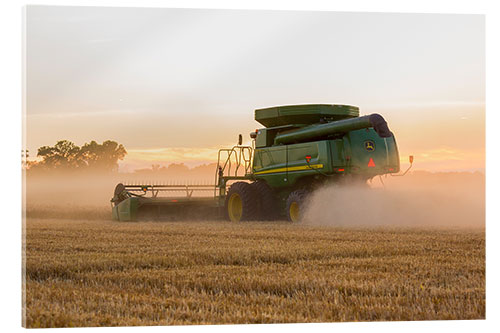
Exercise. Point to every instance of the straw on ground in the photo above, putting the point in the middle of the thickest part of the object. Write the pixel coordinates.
(103, 273)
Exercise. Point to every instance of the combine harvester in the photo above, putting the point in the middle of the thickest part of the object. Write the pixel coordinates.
(302, 147)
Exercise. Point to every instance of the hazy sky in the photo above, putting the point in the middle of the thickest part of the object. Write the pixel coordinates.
(173, 85)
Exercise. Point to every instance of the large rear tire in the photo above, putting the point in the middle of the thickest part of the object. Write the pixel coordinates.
(241, 203)
(295, 205)
(268, 202)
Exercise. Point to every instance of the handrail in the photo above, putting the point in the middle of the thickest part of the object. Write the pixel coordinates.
(240, 155)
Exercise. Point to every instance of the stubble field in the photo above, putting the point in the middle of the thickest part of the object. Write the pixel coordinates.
(105, 273)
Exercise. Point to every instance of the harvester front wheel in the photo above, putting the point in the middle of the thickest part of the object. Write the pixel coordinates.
(241, 202)
(295, 205)
(268, 203)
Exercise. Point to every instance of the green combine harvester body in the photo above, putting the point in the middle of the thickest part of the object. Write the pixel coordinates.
(300, 148)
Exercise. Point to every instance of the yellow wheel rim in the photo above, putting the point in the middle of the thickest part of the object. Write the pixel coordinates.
(235, 207)
(294, 212)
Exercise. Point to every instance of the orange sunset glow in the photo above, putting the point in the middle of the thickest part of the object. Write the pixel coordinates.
(175, 85)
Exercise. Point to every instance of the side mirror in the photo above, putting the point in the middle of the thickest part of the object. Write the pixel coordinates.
(411, 159)
(240, 140)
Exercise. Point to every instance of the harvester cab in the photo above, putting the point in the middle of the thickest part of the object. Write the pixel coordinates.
(300, 148)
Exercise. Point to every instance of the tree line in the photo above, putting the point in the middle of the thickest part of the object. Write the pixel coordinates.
(65, 155)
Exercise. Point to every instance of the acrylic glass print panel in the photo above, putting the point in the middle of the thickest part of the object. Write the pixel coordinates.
(207, 166)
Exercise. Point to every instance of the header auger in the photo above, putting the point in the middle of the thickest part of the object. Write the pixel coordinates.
(300, 148)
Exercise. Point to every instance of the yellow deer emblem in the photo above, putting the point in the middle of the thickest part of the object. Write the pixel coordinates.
(369, 145)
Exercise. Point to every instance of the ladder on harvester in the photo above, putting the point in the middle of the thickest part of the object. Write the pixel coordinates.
(237, 160)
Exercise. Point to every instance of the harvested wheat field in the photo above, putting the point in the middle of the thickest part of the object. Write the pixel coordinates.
(104, 273)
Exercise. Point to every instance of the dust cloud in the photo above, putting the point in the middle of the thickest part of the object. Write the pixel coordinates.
(420, 199)
(87, 195)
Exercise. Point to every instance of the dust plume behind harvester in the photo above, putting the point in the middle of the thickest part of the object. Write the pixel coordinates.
(300, 148)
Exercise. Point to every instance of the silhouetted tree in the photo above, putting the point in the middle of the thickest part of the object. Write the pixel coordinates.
(64, 154)
(103, 156)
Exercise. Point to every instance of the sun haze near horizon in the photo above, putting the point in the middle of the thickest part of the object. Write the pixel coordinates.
(174, 85)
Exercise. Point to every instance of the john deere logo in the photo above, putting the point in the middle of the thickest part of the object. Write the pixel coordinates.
(370, 145)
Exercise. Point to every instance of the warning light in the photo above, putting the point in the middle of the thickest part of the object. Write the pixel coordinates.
(174, 200)
(308, 158)
(340, 170)
(391, 169)
(371, 163)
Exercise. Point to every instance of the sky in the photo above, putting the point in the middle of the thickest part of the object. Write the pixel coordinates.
(174, 85)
